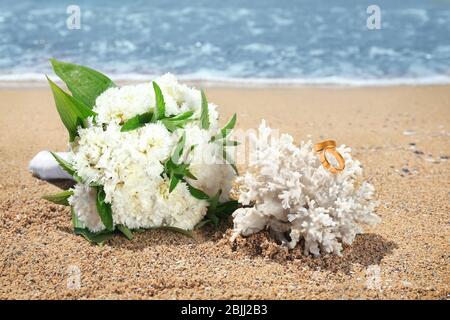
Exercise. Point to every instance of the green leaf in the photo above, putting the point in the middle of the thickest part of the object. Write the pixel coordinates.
(217, 211)
(235, 169)
(94, 237)
(139, 230)
(214, 201)
(136, 122)
(104, 209)
(202, 223)
(189, 174)
(225, 131)
(59, 198)
(232, 143)
(176, 171)
(173, 183)
(125, 231)
(225, 157)
(197, 193)
(65, 165)
(225, 209)
(176, 122)
(131, 124)
(70, 109)
(75, 221)
(79, 107)
(175, 229)
(183, 116)
(80, 123)
(85, 84)
(204, 117)
(214, 219)
(179, 169)
(160, 106)
(170, 125)
(179, 148)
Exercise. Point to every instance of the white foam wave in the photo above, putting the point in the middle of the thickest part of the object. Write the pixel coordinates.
(37, 79)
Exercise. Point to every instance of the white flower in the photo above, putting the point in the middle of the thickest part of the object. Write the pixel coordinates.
(83, 202)
(155, 141)
(182, 210)
(119, 104)
(292, 193)
(207, 163)
(150, 204)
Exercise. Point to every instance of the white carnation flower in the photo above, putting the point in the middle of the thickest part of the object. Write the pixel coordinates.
(151, 205)
(155, 141)
(207, 163)
(83, 202)
(119, 104)
(178, 208)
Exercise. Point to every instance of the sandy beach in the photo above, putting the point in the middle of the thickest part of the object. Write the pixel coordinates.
(400, 134)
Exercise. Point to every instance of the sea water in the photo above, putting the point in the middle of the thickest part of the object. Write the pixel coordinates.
(263, 41)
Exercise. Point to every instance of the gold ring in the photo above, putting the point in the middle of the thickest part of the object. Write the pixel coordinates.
(324, 144)
(329, 146)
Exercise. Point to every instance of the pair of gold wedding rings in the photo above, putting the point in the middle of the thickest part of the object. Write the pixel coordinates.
(329, 146)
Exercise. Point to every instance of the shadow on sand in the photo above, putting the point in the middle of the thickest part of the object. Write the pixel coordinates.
(367, 249)
(146, 239)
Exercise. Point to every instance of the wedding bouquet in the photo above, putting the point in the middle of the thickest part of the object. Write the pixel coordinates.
(288, 190)
(143, 156)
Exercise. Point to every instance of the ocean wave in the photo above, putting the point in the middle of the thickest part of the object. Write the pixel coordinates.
(269, 42)
(35, 79)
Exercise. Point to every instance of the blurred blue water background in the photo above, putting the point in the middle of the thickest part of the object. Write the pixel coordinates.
(291, 41)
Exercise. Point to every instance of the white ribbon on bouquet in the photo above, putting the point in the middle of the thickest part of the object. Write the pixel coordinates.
(44, 167)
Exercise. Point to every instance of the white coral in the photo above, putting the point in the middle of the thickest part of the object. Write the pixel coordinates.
(290, 192)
